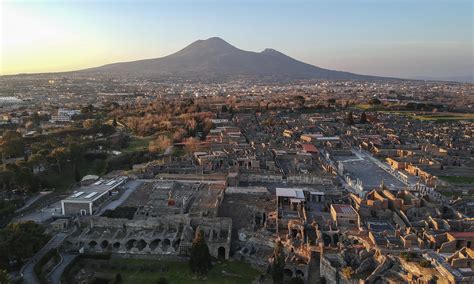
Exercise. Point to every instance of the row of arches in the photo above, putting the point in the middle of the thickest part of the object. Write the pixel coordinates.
(140, 245)
(297, 273)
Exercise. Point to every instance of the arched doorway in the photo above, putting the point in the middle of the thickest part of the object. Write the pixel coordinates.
(141, 245)
(116, 245)
(104, 244)
(299, 273)
(166, 244)
(92, 244)
(154, 244)
(221, 253)
(130, 244)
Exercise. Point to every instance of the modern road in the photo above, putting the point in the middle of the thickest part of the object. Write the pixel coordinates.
(57, 272)
(28, 270)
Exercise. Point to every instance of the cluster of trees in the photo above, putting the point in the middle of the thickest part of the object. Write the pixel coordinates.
(159, 144)
(200, 259)
(350, 118)
(19, 241)
(34, 156)
(12, 144)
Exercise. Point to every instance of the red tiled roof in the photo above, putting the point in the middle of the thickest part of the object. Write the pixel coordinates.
(461, 235)
(310, 148)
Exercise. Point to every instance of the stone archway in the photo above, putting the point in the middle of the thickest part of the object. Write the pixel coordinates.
(166, 244)
(104, 244)
(130, 244)
(141, 245)
(299, 273)
(288, 272)
(154, 244)
(116, 245)
(221, 253)
(92, 245)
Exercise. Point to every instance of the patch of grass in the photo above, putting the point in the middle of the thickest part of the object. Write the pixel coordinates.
(145, 271)
(137, 144)
(457, 179)
(369, 107)
(449, 194)
(444, 116)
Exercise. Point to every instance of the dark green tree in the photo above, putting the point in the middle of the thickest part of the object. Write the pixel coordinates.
(331, 102)
(19, 241)
(278, 263)
(118, 278)
(12, 144)
(4, 277)
(200, 260)
(296, 280)
(77, 175)
(363, 118)
(350, 118)
(375, 101)
(300, 100)
(162, 280)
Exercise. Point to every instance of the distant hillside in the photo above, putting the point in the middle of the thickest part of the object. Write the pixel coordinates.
(215, 58)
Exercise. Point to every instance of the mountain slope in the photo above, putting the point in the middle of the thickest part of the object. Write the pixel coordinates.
(215, 57)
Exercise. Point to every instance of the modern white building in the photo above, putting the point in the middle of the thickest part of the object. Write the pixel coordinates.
(88, 199)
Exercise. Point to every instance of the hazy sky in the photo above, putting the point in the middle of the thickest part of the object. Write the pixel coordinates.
(402, 38)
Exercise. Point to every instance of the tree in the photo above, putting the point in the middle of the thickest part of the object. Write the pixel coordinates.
(179, 134)
(118, 278)
(60, 155)
(347, 272)
(162, 280)
(331, 102)
(374, 101)
(90, 123)
(159, 144)
(4, 277)
(350, 118)
(296, 280)
(200, 260)
(12, 144)
(192, 145)
(300, 100)
(87, 109)
(10, 135)
(114, 122)
(19, 241)
(77, 174)
(363, 118)
(278, 263)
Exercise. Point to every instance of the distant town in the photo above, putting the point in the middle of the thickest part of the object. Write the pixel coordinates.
(309, 181)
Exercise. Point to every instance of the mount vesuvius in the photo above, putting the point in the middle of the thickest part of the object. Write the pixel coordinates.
(217, 59)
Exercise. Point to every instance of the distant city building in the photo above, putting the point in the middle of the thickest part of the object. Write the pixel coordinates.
(64, 115)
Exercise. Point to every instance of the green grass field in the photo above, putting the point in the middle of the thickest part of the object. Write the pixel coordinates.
(138, 144)
(444, 116)
(369, 107)
(458, 179)
(138, 271)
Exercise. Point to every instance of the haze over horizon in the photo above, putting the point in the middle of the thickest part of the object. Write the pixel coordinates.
(397, 38)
